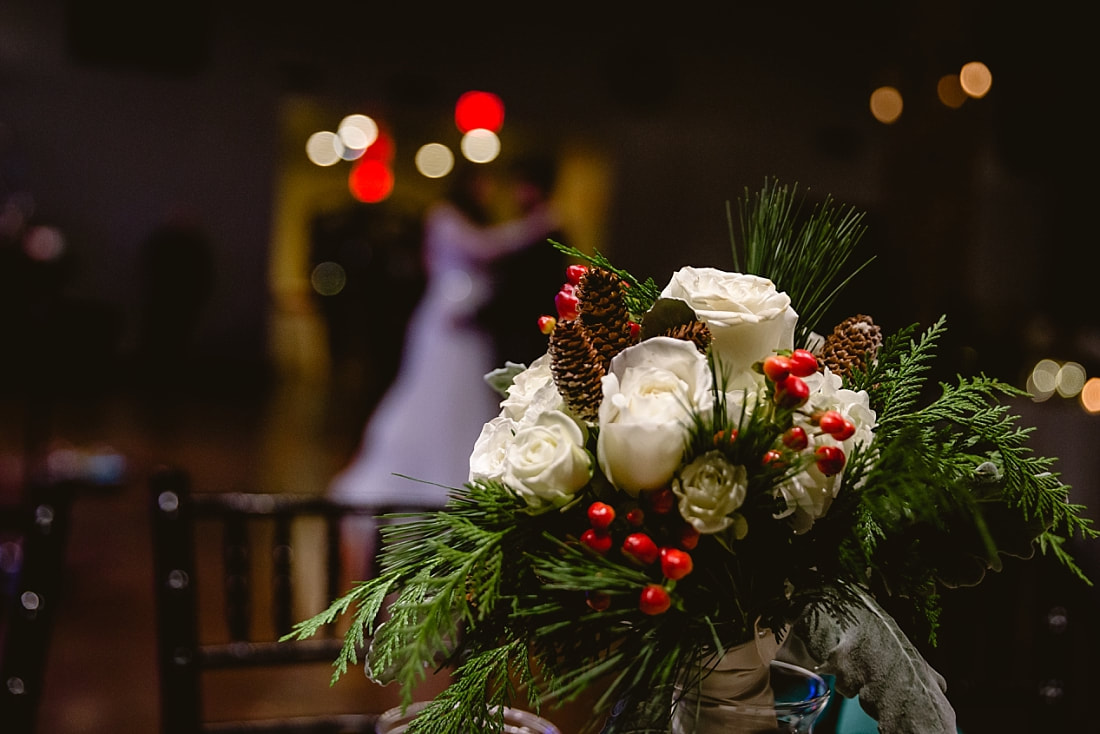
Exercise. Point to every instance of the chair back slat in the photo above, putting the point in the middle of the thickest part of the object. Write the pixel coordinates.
(176, 602)
(238, 576)
(246, 520)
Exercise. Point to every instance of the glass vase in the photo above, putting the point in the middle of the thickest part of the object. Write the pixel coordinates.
(516, 721)
(798, 698)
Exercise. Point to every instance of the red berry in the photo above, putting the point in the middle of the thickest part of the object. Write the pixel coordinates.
(654, 600)
(597, 600)
(597, 540)
(675, 563)
(641, 548)
(803, 363)
(777, 367)
(636, 517)
(830, 460)
(547, 324)
(795, 438)
(689, 536)
(574, 273)
(772, 459)
(791, 392)
(836, 425)
(601, 515)
(661, 501)
(635, 329)
(725, 436)
(567, 303)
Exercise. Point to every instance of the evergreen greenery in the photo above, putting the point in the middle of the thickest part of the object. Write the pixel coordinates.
(497, 592)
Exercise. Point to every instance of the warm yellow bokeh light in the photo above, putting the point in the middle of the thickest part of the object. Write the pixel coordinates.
(1070, 379)
(1043, 380)
(324, 148)
(950, 92)
(434, 160)
(328, 278)
(480, 146)
(1090, 395)
(886, 104)
(976, 79)
(357, 132)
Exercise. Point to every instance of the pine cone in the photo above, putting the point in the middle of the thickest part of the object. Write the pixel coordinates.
(693, 331)
(603, 313)
(853, 345)
(577, 369)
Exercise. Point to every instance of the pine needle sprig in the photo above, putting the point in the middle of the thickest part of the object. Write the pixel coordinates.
(806, 257)
(482, 688)
(638, 298)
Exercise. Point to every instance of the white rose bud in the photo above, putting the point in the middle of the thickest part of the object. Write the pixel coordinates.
(546, 463)
(649, 396)
(748, 318)
(490, 449)
(710, 490)
(532, 392)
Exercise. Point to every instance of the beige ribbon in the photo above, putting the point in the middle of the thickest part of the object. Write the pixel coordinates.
(735, 695)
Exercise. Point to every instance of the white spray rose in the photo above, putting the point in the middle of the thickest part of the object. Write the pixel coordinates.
(546, 463)
(487, 459)
(532, 392)
(747, 317)
(809, 493)
(650, 393)
(710, 490)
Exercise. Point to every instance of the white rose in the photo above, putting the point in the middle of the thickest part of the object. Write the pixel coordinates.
(650, 394)
(710, 490)
(748, 318)
(546, 463)
(809, 493)
(487, 459)
(532, 393)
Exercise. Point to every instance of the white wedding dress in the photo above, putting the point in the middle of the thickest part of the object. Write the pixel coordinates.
(426, 424)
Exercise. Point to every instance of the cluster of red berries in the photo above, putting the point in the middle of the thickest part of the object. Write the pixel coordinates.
(566, 301)
(567, 304)
(786, 373)
(639, 548)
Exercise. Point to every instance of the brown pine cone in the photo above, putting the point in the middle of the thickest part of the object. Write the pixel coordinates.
(577, 369)
(603, 313)
(693, 331)
(854, 344)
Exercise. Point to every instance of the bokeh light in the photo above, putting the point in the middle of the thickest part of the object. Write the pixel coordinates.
(357, 131)
(950, 91)
(886, 105)
(479, 110)
(1043, 380)
(1090, 395)
(370, 180)
(1070, 379)
(976, 79)
(434, 160)
(43, 243)
(480, 146)
(382, 149)
(328, 278)
(324, 148)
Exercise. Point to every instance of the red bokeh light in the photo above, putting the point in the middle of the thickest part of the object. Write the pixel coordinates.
(382, 149)
(370, 180)
(479, 110)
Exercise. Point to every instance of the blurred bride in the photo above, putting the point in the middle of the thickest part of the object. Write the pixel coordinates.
(417, 442)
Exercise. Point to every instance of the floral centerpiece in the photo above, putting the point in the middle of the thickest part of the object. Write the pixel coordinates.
(692, 469)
